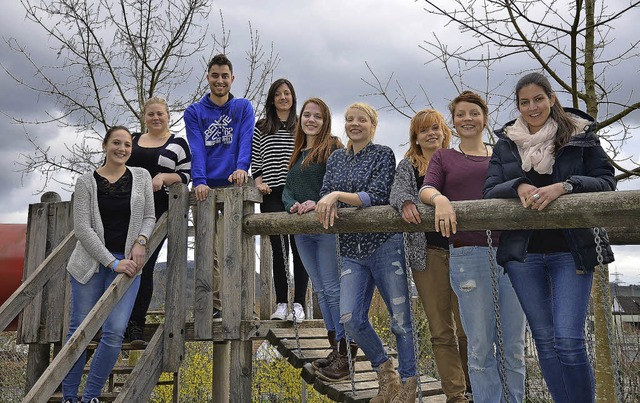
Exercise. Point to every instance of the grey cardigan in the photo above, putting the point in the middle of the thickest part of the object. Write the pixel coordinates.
(90, 250)
(405, 188)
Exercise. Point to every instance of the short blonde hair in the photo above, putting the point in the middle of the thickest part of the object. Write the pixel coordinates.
(156, 100)
(371, 113)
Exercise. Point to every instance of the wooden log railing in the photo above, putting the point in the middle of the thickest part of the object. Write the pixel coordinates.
(619, 212)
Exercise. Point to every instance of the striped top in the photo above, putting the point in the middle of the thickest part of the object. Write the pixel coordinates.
(172, 157)
(270, 155)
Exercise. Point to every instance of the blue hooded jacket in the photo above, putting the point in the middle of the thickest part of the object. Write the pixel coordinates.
(220, 139)
(582, 160)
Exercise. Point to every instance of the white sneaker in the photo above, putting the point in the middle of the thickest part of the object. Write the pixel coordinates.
(281, 312)
(298, 311)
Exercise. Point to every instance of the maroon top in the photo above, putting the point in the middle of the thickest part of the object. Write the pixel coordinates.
(460, 177)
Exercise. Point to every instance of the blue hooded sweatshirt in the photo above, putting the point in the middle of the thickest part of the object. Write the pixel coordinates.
(220, 139)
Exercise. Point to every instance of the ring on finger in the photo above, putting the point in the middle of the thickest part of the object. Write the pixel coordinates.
(536, 196)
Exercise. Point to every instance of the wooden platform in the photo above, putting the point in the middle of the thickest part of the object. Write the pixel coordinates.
(312, 343)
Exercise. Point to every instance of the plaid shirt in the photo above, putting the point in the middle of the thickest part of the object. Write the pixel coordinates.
(369, 173)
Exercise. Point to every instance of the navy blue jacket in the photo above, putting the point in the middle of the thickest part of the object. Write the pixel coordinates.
(582, 160)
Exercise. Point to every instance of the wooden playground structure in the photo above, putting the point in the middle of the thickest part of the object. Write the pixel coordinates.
(42, 299)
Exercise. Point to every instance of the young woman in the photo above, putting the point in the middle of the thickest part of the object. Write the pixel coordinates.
(113, 217)
(545, 153)
(167, 158)
(270, 155)
(459, 175)
(313, 146)
(361, 176)
(428, 255)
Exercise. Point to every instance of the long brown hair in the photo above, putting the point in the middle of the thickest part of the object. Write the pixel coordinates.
(566, 126)
(270, 123)
(325, 143)
(422, 119)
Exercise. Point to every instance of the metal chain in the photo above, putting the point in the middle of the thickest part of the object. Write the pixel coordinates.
(290, 285)
(346, 337)
(416, 345)
(496, 306)
(606, 302)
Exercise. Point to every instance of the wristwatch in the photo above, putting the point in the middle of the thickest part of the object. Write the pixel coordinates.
(567, 186)
(142, 241)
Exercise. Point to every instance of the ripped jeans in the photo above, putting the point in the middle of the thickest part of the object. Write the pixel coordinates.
(470, 275)
(384, 269)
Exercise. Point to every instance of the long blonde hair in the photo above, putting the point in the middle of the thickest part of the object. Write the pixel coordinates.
(422, 119)
(371, 113)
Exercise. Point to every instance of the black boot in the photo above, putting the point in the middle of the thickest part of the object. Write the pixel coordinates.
(325, 362)
(338, 370)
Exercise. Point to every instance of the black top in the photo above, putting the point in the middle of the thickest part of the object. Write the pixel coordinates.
(147, 158)
(545, 240)
(433, 238)
(114, 202)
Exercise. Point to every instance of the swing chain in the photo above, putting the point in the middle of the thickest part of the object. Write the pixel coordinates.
(414, 330)
(606, 301)
(290, 286)
(346, 337)
(496, 306)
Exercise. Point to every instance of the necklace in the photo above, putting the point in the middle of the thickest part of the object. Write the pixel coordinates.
(479, 158)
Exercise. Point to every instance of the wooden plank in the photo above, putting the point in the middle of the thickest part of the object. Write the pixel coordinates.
(247, 266)
(175, 301)
(242, 371)
(205, 227)
(145, 375)
(34, 283)
(29, 323)
(303, 333)
(231, 264)
(54, 308)
(265, 290)
(368, 389)
(79, 340)
(581, 210)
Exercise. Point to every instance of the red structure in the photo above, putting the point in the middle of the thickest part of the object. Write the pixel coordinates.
(12, 246)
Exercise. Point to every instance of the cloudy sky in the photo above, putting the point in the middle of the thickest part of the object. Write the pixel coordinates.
(323, 46)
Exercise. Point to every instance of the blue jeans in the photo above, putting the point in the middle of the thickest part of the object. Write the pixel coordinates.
(384, 269)
(470, 275)
(83, 298)
(555, 300)
(319, 258)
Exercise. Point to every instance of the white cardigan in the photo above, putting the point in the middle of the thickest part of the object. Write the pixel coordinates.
(90, 250)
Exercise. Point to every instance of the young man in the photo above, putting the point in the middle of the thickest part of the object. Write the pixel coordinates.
(219, 130)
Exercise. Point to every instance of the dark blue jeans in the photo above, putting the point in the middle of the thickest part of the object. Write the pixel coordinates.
(83, 298)
(555, 299)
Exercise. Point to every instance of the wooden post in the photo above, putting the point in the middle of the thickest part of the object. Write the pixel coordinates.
(40, 235)
(175, 302)
(205, 230)
(54, 308)
(603, 371)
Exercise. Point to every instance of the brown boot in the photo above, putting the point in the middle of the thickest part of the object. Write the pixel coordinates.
(407, 392)
(324, 362)
(338, 370)
(388, 383)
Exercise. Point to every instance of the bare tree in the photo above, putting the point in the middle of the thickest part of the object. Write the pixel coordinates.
(572, 41)
(111, 57)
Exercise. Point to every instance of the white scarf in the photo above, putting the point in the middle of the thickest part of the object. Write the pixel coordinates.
(536, 150)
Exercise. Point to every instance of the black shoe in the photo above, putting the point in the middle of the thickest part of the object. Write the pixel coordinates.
(217, 314)
(136, 335)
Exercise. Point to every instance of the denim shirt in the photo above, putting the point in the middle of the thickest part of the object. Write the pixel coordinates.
(369, 173)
